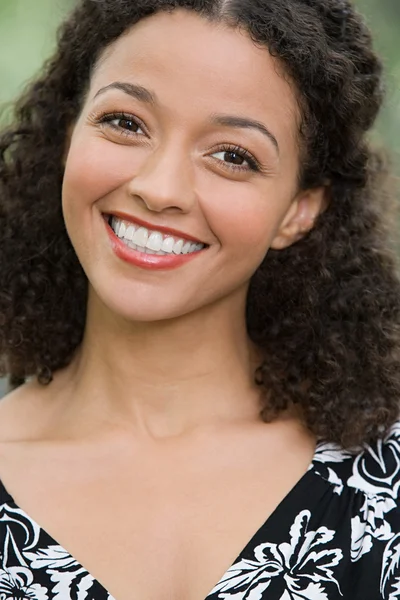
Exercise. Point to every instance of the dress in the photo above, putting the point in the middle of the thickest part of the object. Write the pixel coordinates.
(335, 535)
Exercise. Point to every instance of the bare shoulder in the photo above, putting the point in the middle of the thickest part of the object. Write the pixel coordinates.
(23, 411)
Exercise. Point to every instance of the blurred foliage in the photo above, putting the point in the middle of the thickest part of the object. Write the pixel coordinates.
(27, 36)
(383, 16)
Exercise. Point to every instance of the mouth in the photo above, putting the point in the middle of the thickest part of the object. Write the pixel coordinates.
(151, 241)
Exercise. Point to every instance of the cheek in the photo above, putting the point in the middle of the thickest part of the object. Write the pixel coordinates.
(245, 218)
(94, 168)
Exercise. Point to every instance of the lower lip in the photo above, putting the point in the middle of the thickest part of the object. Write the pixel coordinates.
(147, 261)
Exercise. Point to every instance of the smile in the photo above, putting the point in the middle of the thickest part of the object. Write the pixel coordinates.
(150, 241)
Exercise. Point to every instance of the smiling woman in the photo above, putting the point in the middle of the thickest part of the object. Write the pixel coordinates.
(198, 284)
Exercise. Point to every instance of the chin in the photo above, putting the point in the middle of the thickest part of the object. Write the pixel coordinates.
(140, 310)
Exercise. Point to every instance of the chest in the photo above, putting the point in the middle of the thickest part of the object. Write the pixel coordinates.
(152, 529)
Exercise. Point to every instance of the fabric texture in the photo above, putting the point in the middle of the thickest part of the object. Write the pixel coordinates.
(335, 535)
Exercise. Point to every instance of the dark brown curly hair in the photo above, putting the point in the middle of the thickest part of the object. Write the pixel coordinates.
(324, 312)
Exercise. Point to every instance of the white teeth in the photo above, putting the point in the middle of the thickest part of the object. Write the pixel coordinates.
(129, 232)
(151, 242)
(186, 248)
(122, 229)
(178, 247)
(141, 236)
(168, 245)
(155, 241)
(115, 225)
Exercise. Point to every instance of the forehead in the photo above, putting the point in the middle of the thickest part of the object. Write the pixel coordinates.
(197, 66)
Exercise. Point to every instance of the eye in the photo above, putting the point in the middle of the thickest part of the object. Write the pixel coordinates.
(122, 123)
(236, 158)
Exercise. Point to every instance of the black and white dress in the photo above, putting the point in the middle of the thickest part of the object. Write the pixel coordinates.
(335, 535)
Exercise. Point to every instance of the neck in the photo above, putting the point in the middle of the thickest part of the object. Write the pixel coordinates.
(166, 378)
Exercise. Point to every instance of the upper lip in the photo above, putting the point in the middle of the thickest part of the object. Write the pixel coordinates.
(162, 228)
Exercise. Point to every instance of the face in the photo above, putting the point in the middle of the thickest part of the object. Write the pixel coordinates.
(182, 167)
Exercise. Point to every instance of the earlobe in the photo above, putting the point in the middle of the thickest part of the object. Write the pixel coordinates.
(301, 217)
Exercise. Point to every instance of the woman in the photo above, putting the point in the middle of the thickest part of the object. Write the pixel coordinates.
(197, 284)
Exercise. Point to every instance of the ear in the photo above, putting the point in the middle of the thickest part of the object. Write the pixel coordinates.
(300, 217)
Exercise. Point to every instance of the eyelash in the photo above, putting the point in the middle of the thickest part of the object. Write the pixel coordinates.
(249, 158)
(253, 164)
(107, 118)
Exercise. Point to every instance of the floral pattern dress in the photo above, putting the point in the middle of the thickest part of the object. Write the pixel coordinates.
(335, 535)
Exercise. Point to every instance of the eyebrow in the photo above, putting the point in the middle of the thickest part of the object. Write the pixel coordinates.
(134, 90)
(245, 123)
(144, 95)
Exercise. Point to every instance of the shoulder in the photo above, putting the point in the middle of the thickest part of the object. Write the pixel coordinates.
(367, 485)
(22, 412)
(374, 471)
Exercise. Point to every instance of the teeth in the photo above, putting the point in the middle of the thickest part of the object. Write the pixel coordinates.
(115, 224)
(168, 245)
(141, 236)
(178, 247)
(122, 229)
(129, 232)
(155, 241)
(151, 242)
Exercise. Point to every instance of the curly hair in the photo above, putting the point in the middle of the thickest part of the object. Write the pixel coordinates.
(324, 312)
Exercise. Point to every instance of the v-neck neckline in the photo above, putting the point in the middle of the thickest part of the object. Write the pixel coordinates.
(300, 487)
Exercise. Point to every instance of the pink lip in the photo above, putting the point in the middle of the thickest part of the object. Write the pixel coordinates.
(147, 261)
(161, 228)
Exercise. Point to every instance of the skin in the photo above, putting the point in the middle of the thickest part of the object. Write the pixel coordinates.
(158, 412)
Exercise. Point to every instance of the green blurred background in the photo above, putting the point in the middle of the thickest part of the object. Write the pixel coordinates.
(27, 36)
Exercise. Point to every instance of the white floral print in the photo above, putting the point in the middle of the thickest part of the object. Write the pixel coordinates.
(376, 472)
(16, 519)
(70, 578)
(342, 540)
(305, 564)
(330, 453)
(18, 582)
(370, 524)
(326, 454)
(390, 578)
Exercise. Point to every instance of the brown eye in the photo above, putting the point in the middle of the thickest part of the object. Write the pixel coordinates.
(127, 124)
(123, 124)
(230, 156)
(237, 158)
(234, 157)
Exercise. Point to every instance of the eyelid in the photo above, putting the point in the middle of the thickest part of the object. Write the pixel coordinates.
(105, 118)
(254, 164)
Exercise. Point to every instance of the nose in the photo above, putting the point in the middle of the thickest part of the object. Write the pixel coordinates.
(164, 181)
